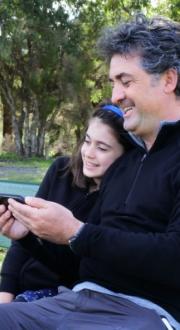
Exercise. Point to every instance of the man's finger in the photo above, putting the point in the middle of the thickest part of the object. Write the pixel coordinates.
(36, 202)
(16, 206)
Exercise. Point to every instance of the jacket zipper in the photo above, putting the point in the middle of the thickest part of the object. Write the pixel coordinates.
(136, 178)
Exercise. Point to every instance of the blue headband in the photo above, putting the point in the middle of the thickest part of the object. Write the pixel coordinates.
(113, 108)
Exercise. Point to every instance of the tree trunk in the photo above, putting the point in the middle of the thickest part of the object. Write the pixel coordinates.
(41, 144)
(7, 121)
(35, 127)
(34, 130)
(9, 100)
(26, 132)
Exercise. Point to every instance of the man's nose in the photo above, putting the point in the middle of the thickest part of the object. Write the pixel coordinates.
(118, 94)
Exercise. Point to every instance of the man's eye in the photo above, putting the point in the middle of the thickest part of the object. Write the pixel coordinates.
(126, 83)
(86, 141)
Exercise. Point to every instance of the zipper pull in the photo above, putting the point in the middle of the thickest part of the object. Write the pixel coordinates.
(143, 158)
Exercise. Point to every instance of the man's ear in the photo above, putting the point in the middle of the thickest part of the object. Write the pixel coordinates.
(170, 80)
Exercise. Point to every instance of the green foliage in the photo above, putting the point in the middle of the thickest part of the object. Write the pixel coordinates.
(49, 67)
(2, 254)
(36, 38)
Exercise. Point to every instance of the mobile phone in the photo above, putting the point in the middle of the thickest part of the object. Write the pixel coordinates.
(4, 198)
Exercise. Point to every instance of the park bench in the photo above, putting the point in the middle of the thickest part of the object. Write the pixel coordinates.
(23, 189)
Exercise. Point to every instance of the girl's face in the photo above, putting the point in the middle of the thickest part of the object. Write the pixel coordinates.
(99, 149)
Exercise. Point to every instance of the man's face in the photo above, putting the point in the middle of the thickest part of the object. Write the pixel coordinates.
(139, 94)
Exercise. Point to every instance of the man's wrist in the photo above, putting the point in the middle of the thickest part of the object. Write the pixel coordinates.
(73, 238)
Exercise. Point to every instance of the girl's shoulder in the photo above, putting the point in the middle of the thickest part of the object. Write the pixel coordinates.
(60, 164)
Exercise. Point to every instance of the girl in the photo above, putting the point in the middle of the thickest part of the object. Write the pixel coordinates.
(74, 183)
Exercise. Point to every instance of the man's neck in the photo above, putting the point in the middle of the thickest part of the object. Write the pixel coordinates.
(149, 140)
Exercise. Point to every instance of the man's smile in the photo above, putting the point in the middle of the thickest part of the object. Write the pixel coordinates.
(125, 110)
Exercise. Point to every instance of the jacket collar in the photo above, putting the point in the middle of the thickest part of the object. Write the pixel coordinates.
(165, 127)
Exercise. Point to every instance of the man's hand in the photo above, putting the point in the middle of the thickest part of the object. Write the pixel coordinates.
(45, 219)
(9, 226)
(6, 297)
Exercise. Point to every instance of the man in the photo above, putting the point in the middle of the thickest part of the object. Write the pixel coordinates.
(130, 248)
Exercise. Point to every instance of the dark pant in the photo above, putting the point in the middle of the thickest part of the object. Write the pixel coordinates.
(84, 310)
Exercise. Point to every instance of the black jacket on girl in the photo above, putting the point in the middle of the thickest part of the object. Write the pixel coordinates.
(20, 271)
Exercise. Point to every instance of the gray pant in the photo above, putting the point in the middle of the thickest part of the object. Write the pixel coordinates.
(84, 310)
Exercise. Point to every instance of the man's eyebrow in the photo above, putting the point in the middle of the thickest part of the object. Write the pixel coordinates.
(121, 75)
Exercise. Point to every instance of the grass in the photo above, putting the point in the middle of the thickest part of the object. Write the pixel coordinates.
(20, 169)
(2, 255)
(2, 252)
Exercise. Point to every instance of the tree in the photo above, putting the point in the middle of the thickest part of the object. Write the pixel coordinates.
(36, 37)
(50, 74)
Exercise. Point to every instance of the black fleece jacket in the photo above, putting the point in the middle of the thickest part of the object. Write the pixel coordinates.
(58, 265)
(131, 243)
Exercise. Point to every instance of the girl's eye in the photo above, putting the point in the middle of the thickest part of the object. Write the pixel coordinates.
(102, 149)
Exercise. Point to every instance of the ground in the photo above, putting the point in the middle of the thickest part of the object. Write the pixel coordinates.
(21, 174)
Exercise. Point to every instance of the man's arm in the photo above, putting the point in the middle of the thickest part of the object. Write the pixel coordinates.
(149, 255)
(35, 215)
(146, 255)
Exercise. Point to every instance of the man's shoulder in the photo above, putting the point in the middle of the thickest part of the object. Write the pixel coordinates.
(127, 158)
(122, 164)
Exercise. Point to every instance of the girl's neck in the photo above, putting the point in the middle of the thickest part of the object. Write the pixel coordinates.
(94, 186)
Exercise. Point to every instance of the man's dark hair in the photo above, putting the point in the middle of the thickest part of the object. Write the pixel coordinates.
(156, 41)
